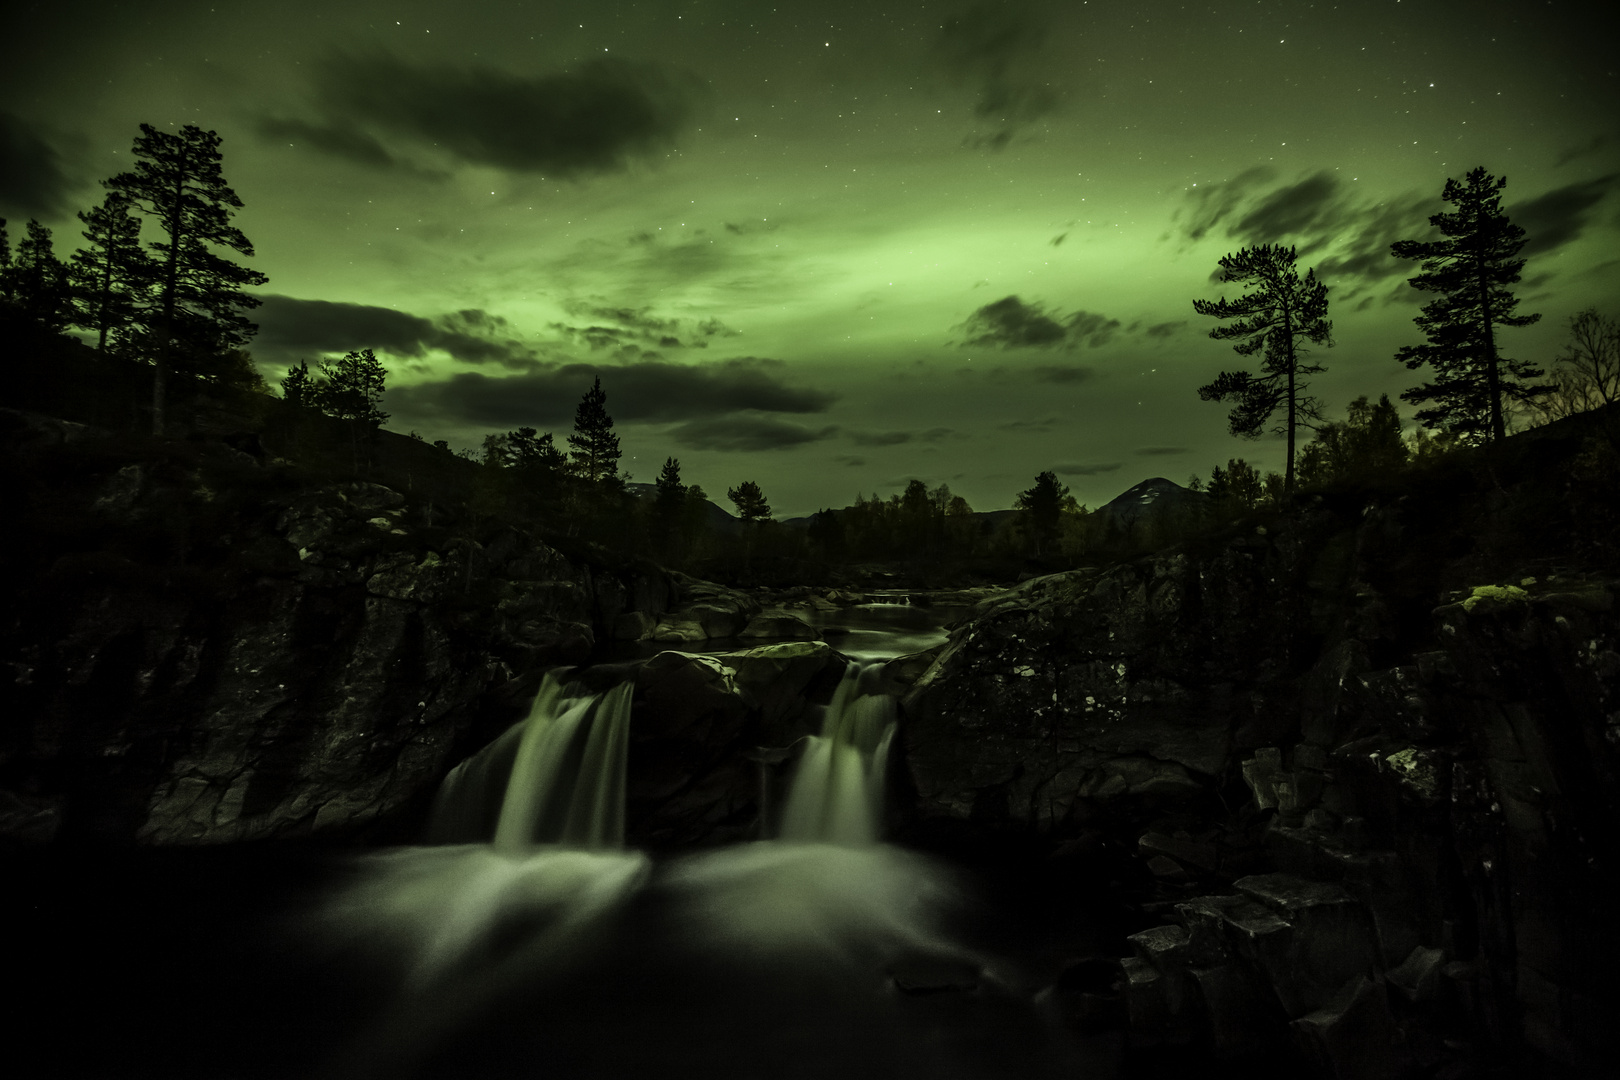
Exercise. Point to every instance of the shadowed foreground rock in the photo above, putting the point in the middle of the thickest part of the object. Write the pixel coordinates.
(1435, 793)
(207, 650)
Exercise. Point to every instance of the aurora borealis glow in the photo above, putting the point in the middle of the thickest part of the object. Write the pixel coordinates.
(786, 234)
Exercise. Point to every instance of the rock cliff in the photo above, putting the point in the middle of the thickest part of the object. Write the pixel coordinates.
(208, 646)
(1372, 812)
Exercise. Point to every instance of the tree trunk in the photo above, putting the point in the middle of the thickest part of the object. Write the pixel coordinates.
(1492, 381)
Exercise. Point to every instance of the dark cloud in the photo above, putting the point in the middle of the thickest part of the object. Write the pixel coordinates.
(644, 390)
(32, 180)
(1316, 212)
(746, 433)
(1165, 329)
(850, 460)
(1087, 470)
(895, 438)
(1090, 328)
(1058, 239)
(1557, 217)
(1161, 451)
(1575, 153)
(290, 327)
(1212, 204)
(1010, 323)
(1305, 210)
(1043, 424)
(617, 327)
(990, 46)
(589, 120)
(1063, 373)
(1363, 258)
(339, 140)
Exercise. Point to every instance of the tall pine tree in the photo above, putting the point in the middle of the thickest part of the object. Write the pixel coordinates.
(750, 502)
(594, 453)
(1277, 316)
(1471, 270)
(193, 315)
(669, 501)
(37, 281)
(1042, 508)
(6, 296)
(110, 276)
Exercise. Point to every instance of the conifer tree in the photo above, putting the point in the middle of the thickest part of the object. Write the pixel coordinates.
(669, 503)
(295, 388)
(1043, 507)
(533, 453)
(37, 281)
(594, 449)
(1238, 485)
(351, 389)
(110, 276)
(750, 502)
(1471, 270)
(1280, 313)
(194, 312)
(5, 265)
(1366, 443)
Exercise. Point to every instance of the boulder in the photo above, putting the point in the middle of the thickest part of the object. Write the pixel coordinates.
(777, 623)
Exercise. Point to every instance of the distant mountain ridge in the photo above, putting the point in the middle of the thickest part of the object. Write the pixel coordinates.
(1147, 499)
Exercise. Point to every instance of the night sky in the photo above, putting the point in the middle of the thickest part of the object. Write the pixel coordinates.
(834, 246)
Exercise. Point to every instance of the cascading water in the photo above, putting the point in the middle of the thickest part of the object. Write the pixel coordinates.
(556, 777)
(776, 957)
(836, 795)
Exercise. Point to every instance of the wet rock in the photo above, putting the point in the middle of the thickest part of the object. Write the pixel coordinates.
(634, 626)
(678, 629)
(776, 623)
(1352, 1036)
(774, 679)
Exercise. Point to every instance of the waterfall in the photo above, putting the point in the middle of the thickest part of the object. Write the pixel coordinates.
(836, 795)
(556, 777)
(525, 936)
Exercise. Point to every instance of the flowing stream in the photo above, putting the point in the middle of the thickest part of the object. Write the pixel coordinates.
(526, 940)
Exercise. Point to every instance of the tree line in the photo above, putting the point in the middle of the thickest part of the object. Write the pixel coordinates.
(178, 305)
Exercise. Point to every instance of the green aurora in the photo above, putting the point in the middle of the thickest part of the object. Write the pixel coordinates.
(787, 236)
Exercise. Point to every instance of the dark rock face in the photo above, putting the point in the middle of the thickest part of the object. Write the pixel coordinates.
(1434, 791)
(232, 655)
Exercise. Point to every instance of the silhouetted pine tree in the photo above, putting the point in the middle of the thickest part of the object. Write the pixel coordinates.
(194, 312)
(534, 453)
(750, 502)
(669, 502)
(351, 389)
(1043, 507)
(1238, 486)
(295, 388)
(5, 265)
(1366, 443)
(594, 453)
(37, 281)
(110, 276)
(1471, 270)
(1280, 312)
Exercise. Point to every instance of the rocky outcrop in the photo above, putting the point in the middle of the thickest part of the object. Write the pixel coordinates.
(1374, 831)
(713, 738)
(706, 610)
(207, 648)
